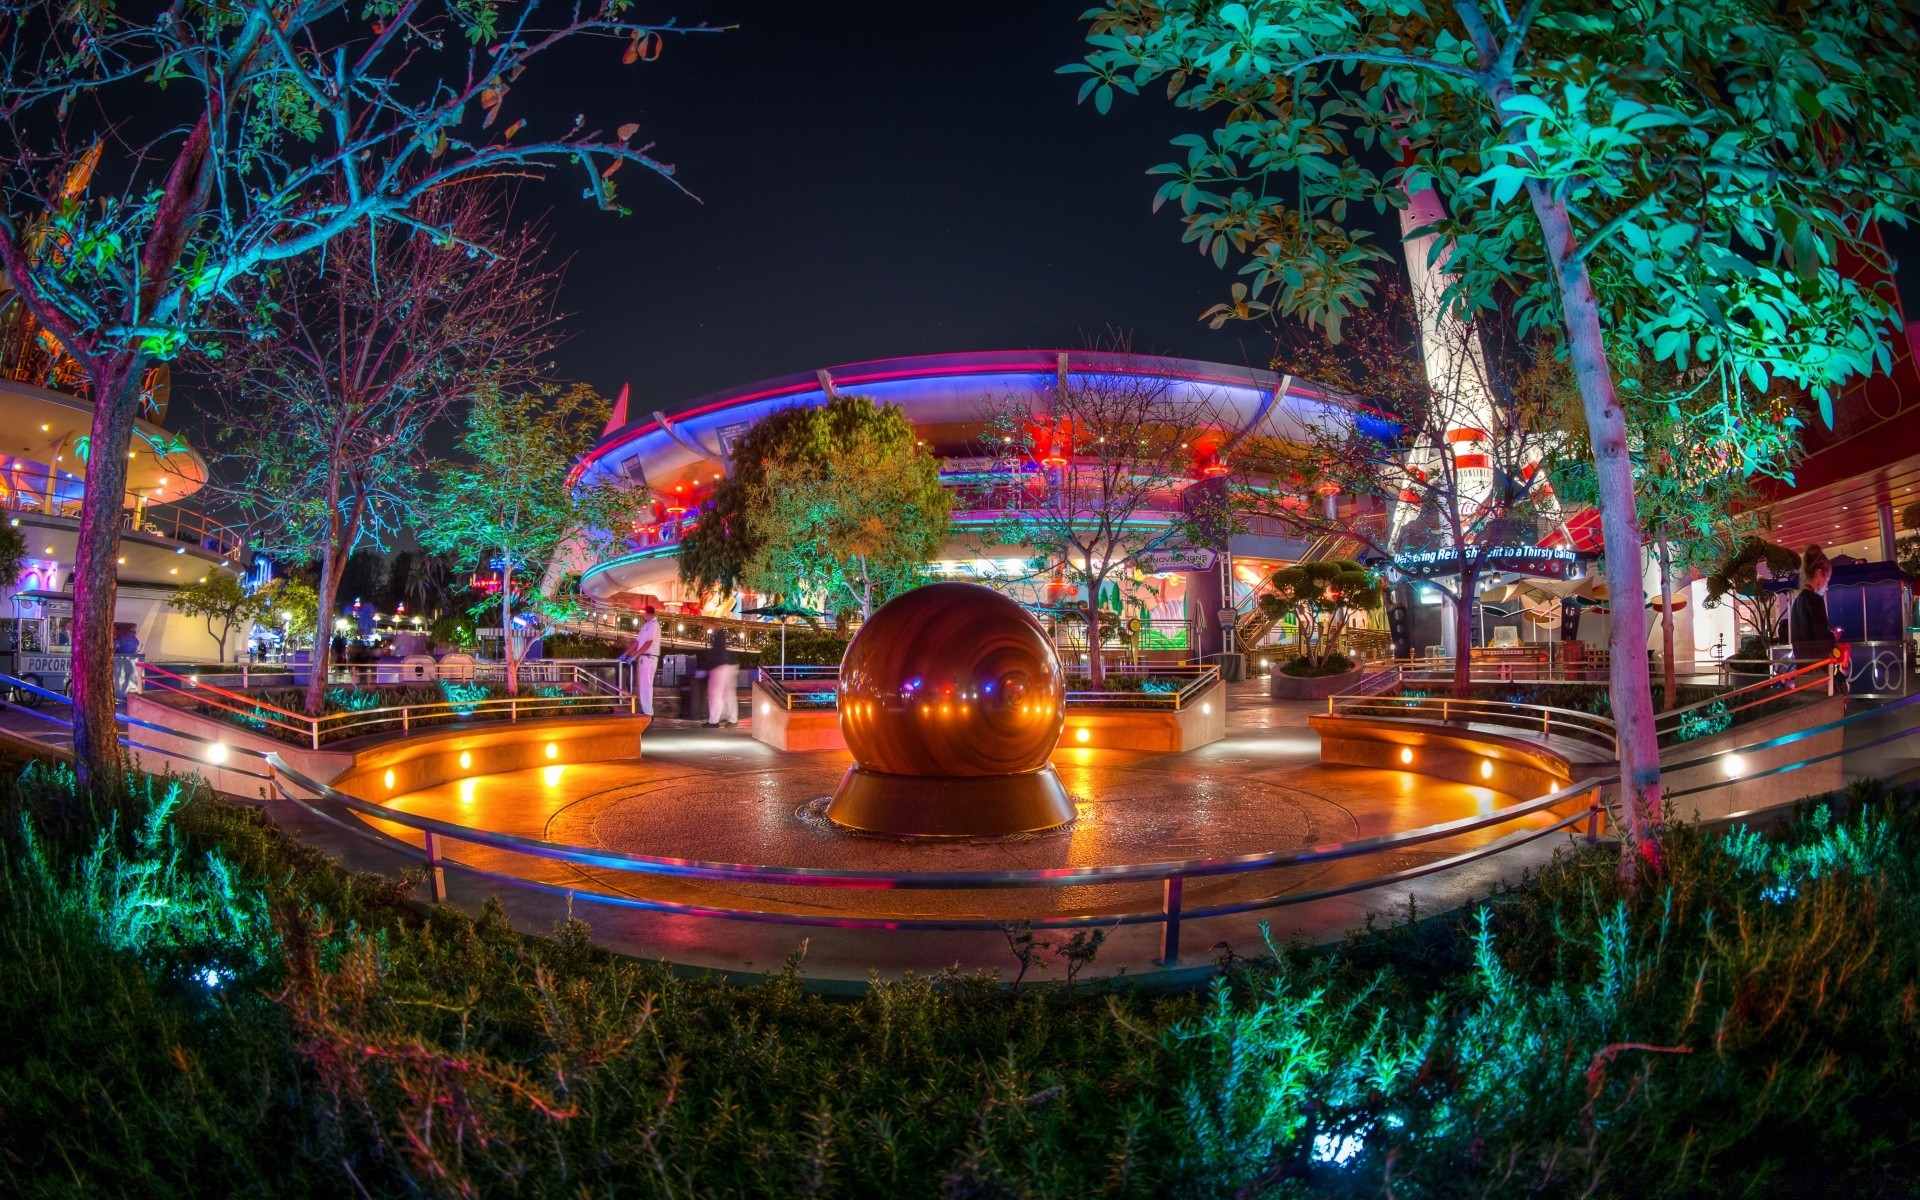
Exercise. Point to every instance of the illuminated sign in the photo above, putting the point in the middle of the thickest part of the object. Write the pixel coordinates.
(1172, 562)
(1542, 562)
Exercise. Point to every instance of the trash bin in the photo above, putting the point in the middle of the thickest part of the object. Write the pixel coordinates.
(1233, 668)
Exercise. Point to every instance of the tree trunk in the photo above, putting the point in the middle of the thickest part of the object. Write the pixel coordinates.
(506, 629)
(96, 741)
(1096, 671)
(333, 565)
(1463, 636)
(1670, 675)
(1631, 685)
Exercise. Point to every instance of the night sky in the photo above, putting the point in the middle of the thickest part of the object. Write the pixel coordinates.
(874, 180)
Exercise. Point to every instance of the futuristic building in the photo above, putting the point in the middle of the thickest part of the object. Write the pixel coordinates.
(680, 454)
(45, 423)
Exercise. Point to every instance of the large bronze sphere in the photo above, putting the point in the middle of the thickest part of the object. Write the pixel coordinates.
(951, 699)
(951, 679)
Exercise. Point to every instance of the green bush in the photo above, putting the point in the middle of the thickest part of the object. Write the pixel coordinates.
(1333, 664)
(194, 1005)
(581, 645)
(806, 648)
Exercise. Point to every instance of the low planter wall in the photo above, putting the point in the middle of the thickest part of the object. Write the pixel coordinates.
(1282, 686)
(786, 728)
(188, 757)
(423, 760)
(1749, 794)
(1517, 766)
(1203, 719)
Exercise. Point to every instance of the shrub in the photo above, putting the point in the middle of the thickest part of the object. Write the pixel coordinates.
(1333, 664)
(1744, 1025)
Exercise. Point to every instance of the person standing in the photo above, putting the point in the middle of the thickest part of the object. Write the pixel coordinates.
(723, 682)
(1808, 628)
(646, 659)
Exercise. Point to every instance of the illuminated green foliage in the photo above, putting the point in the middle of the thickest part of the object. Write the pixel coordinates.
(1713, 220)
(220, 597)
(1751, 1017)
(13, 552)
(837, 505)
(510, 505)
(1322, 597)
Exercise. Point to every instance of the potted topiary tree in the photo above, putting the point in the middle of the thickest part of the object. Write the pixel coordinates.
(1738, 581)
(1322, 598)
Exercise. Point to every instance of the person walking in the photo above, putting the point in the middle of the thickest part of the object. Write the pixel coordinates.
(723, 682)
(1808, 629)
(646, 659)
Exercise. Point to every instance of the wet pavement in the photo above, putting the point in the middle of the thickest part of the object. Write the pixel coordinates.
(719, 796)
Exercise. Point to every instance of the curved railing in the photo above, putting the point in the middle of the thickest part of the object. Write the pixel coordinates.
(1810, 679)
(344, 811)
(32, 490)
(595, 695)
(818, 687)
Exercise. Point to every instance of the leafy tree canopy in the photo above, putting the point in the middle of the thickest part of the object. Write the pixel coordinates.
(510, 504)
(1321, 596)
(13, 552)
(1716, 161)
(838, 501)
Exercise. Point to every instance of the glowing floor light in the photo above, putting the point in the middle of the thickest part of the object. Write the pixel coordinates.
(1406, 756)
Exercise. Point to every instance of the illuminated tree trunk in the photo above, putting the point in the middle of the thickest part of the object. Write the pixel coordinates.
(506, 627)
(1670, 676)
(1631, 684)
(96, 739)
(1096, 670)
(1463, 634)
(333, 565)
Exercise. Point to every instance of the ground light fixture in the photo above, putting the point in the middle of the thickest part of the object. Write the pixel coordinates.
(1406, 756)
(389, 780)
(553, 751)
(466, 760)
(1082, 734)
(1486, 768)
(1734, 766)
(217, 753)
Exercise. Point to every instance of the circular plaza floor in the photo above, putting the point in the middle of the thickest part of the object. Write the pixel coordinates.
(721, 796)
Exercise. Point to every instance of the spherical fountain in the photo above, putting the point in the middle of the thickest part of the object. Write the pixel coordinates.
(951, 699)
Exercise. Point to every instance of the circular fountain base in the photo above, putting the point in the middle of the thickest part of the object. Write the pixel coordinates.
(950, 806)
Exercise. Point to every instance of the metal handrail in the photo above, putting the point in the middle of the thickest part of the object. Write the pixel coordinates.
(49, 494)
(332, 725)
(1588, 727)
(1817, 673)
(1171, 874)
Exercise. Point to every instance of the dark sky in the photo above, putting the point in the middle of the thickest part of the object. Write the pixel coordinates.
(874, 180)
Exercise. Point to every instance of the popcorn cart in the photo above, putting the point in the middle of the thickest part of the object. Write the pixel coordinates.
(36, 644)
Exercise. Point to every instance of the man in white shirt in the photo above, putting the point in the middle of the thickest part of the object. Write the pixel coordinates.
(646, 658)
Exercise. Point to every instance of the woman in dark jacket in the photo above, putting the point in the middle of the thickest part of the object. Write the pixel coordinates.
(1807, 625)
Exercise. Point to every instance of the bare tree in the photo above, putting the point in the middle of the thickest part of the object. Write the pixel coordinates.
(1095, 469)
(325, 414)
(154, 162)
(1435, 463)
